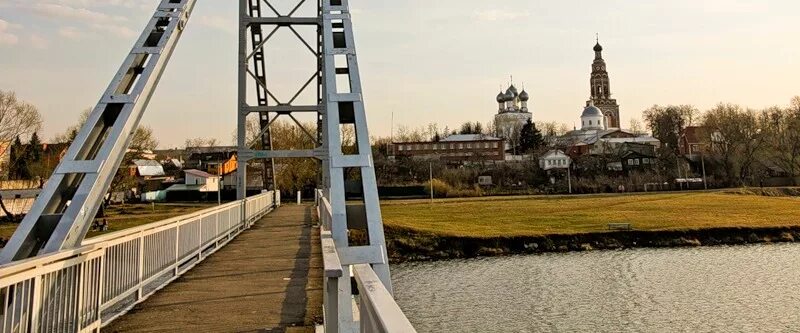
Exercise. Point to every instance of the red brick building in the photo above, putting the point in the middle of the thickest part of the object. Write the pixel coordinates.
(461, 148)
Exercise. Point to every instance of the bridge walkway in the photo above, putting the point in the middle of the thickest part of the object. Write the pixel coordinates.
(269, 279)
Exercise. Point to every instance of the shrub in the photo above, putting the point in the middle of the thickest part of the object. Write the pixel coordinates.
(440, 188)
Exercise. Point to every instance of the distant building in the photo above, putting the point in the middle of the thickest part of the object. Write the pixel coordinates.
(600, 86)
(637, 157)
(594, 140)
(512, 112)
(208, 158)
(197, 180)
(555, 159)
(694, 140)
(147, 169)
(459, 148)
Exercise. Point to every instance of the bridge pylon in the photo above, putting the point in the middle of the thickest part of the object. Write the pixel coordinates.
(64, 210)
(339, 109)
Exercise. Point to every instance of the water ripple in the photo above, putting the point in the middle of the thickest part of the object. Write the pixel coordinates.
(710, 289)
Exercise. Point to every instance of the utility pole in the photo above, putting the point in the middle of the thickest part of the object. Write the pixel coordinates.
(219, 191)
(703, 162)
(569, 178)
(430, 165)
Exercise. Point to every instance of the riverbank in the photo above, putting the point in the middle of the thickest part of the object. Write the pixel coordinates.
(408, 245)
(471, 228)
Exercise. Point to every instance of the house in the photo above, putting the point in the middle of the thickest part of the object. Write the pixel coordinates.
(693, 140)
(458, 148)
(555, 159)
(147, 169)
(201, 181)
(208, 158)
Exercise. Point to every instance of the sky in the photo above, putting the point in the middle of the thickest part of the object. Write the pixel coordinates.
(421, 62)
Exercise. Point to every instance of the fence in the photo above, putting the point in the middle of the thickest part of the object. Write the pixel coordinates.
(81, 289)
(377, 310)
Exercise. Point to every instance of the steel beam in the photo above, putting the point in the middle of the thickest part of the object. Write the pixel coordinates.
(69, 201)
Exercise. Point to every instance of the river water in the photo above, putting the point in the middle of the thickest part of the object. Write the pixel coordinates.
(707, 289)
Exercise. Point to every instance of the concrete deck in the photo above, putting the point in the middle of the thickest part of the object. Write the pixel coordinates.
(269, 279)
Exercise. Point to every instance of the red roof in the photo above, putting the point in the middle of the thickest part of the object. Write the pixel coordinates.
(199, 173)
(692, 134)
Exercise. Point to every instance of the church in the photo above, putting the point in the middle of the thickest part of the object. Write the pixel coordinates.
(512, 113)
(600, 132)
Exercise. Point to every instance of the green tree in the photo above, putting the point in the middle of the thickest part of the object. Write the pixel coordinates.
(18, 168)
(466, 128)
(35, 149)
(530, 138)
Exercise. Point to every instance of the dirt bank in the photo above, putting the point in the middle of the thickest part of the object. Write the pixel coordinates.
(410, 245)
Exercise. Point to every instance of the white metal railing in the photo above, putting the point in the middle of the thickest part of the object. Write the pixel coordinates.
(82, 289)
(377, 311)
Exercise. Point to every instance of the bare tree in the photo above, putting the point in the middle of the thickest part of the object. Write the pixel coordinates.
(782, 135)
(636, 126)
(201, 142)
(69, 134)
(124, 179)
(406, 134)
(298, 173)
(17, 119)
(737, 139)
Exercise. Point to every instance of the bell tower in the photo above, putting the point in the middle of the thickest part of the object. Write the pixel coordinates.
(600, 86)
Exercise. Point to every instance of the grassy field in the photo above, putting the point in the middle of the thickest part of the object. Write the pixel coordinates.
(534, 216)
(127, 216)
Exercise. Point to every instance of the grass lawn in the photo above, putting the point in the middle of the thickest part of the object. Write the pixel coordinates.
(129, 215)
(533, 216)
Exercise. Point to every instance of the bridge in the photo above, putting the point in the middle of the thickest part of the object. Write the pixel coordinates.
(156, 277)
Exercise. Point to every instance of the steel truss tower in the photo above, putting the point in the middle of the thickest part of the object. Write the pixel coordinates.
(340, 104)
(68, 203)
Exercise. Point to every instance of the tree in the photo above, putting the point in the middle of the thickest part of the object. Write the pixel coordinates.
(636, 127)
(466, 128)
(737, 140)
(17, 119)
(71, 132)
(35, 160)
(782, 137)
(296, 174)
(668, 122)
(478, 128)
(141, 142)
(143, 139)
(530, 138)
(202, 142)
(19, 167)
(406, 134)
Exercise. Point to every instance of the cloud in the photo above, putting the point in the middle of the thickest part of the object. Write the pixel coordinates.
(69, 32)
(116, 30)
(52, 10)
(499, 15)
(38, 42)
(139, 4)
(7, 37)
(216, 22)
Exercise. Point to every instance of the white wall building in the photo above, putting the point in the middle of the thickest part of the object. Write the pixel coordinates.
(512, 114)
(554, 159)
(202, 181)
